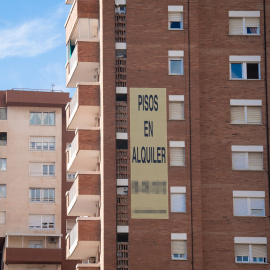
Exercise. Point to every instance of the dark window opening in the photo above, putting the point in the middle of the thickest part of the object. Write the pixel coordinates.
(121, 97)
(3, 138)
(122, 237)
(121, 144)
(253, 71)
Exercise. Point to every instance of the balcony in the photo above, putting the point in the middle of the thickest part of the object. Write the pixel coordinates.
(121, 116)
(83, 110)
(83, 241)
(84, 196)
(121, 164)
(83, 64)
(82, 21)
(122, 255)
(122, 210)
(33, 249)
(84, 152)
(121, 72)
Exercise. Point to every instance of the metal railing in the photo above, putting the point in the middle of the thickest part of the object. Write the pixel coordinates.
(120, 28)
(121, 72)
(121, 164)
(121, 116)
(122, 210)
(122, 255)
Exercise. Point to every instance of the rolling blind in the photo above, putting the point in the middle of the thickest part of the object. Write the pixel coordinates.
(259, 251)
(240, 207)
(34, 221)
(257, 204)
(254, 115)
(241, 250)
(176, 110)
(239, 161)
(178, 202)
(35, 169)
(178, 246)
(237, 114)
(255, 161)
(252, 22)
(48, 218)
(236, 26)
(175, 17)
(177, 156)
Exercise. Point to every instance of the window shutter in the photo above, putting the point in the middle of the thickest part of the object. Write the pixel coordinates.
(241, 250)
(35, 221)
(239, 161)
(259, 251)
(48, 218)
(237, 114)
(35, 169)
(2, 217)
(49, 139)
(252, 22)
(255, 161)
(257, 206)
(240, 207)
(178, 202)
(175, 16)
(178, 247)
(35, 139)
(254, 115)
(176, 110)
(236, 26)
(177, 156)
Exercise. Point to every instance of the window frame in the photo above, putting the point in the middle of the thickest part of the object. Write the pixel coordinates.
(41, 225)
(42, 172)
(43, 117)
(177, 144)
(3, 167)
(5, 191)
(173, 99)
(179, 237)
(43, 141)
(176, 9)
(178, 191)
(41, 198)
(181, 63)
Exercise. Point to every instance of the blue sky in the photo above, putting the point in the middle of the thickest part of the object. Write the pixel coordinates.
(32, 47)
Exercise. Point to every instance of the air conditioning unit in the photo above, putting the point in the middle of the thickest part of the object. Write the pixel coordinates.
(53, 239)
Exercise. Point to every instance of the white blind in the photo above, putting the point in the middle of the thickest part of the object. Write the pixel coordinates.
(2, 217)
(236, 26)
(257, 206)
(177, 156)
(252, 22)
(35, 139)
(35, 221)
(240, 207)
(259, 251)
(176, 110)
(42, 139)
(254, 115)
(48, 218)
(239, 161)
(178, 202)
(35, 168)
(237, 114)
(178, 246)
(175, 17)
(241, 250)
(255, 161)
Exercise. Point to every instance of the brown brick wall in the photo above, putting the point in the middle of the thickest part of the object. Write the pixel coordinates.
(88, 230)
(89, 95)
(89, 184)
(88, 9)
(89, 139)
(88, 51)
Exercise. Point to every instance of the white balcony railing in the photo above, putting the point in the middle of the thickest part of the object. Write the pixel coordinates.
(73, 192)
(72, 150)
(73, 103)
(73, 238)
(73, 60)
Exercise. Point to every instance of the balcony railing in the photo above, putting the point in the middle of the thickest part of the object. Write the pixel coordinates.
(73, 60)
(120, 28)
(73, 237)
(122, 210)
(121, 72)
(122, 255)
(73, 103)
(121, 116)
(121, 164)
(72, 150)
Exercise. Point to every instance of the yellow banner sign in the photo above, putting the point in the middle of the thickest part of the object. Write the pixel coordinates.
(148, 153)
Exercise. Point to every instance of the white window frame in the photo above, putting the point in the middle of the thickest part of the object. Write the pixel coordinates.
(246, 149)
(176, 56)
(3, 167)
(244, 60)
(71, 177)
(178, 10)
(250, 241)
(41, 198)
(43, 118)
(42, 172)
(248, 195)
(5, 109)
(177, 99)
(178, 191)
(246, 103)
(43, 141)
(243, 15)
(43, 225)
(4, 195)
(177, 144)
(179, 237)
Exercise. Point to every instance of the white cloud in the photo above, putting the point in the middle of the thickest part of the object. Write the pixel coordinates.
(32, 38)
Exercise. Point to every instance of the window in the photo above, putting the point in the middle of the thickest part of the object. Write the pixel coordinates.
(71, 176)
(3, 113)
(42, 169)
(246, 111)
(250, 249)
(41, 195)
(3, 191)
(2, 217)
(3, 138)
(178, 199)
(42, 143)
(177, 153)
(176, 107)
(247, 157)
(176, 66)
(244, 22)
(248, 203)
(179, 246)
(120, 9)
(175, 17)
(3, 164)
(42, 118)
(245, 67)
(43, 222)
(35, 243)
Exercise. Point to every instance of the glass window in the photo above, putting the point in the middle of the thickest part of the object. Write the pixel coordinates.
(51, 118)
(51, 170)
(178, 202)
(176, 66)
(3, 113)
(3, 189)
(236, 71)
(3, 164)
(3, 138)
(42, 118)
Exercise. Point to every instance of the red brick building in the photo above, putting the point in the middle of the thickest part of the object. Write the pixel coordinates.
(171, 146)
